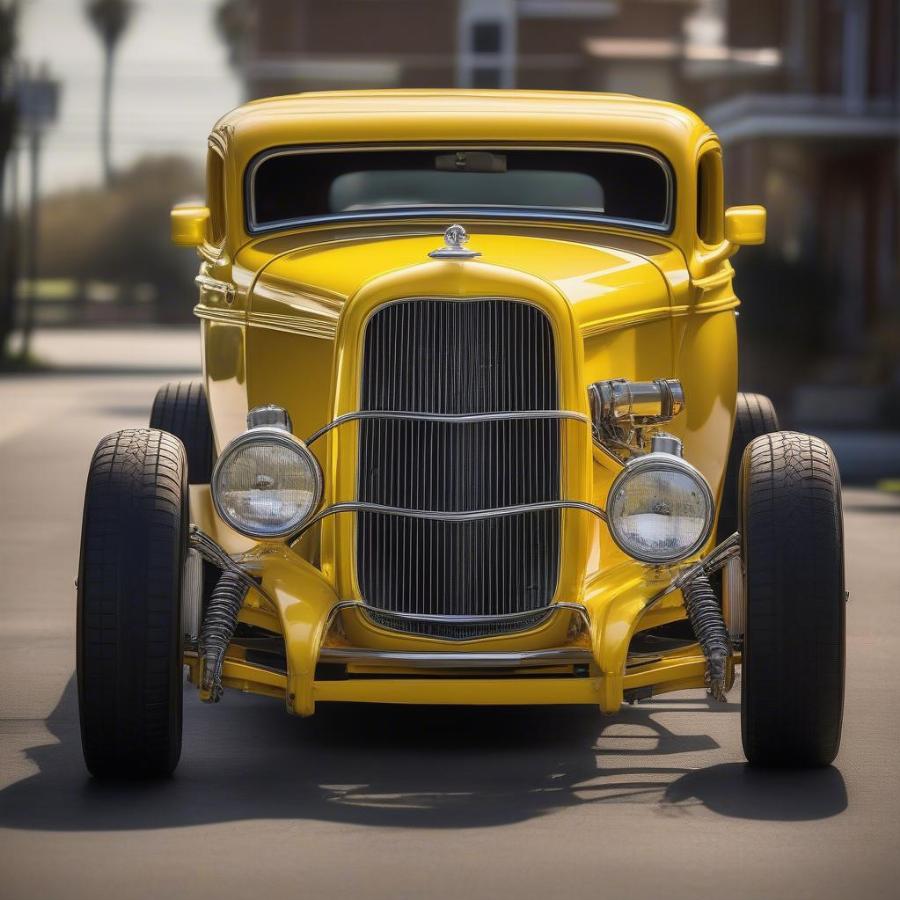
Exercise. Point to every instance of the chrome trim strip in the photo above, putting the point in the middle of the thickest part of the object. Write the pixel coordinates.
(512, 212)
(449, 417)
(559, 656)
(472, 516)
(476, 620)
(552, 609)
(204, 282)
(463, 212)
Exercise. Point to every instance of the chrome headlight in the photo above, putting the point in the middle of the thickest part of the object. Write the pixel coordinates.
(267, 482)
(660, 509)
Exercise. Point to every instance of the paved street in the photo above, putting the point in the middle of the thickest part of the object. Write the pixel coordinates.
(385, 802)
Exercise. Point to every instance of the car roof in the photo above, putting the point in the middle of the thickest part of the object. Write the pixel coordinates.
(436, 116)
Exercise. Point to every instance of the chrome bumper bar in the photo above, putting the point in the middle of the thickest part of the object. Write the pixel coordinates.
(565, 656)
(364, 608)
(450, 418)
(469, 516)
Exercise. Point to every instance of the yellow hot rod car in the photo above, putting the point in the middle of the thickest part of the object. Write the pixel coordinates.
(468, 433)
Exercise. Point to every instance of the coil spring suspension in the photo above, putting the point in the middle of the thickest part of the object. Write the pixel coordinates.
(217, 630)
(706, 619)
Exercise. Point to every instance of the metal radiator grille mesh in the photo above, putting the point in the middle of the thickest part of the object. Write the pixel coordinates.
(458, 357)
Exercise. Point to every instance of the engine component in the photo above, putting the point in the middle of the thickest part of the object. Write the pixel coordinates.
(644, 402)
(662, 442)
(705, 616)
(217, 631)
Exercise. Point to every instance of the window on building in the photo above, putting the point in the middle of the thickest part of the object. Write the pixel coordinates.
(487, 44)
(487, 37)
(487, 77)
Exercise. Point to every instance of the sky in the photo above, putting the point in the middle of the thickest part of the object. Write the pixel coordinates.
(173, 82)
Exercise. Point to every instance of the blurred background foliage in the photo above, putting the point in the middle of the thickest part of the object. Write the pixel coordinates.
(120, 235)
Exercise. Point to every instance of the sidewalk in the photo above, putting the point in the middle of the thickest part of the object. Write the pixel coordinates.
(165, 350)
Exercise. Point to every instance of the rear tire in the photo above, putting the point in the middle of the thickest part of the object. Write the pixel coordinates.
(754, 415)
(181, 409)
(129, 642)
(792, 684)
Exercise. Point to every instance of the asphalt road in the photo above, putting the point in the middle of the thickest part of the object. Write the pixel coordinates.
(401, 802)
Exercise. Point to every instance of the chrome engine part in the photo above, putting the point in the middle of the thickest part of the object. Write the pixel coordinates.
(622, 410)
(705, 616)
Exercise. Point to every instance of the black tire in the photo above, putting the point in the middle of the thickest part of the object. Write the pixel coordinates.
(129, 643)
(792, 683)
(181, 409)
(754, 415)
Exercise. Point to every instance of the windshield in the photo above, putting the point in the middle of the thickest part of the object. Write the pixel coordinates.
(296, 186)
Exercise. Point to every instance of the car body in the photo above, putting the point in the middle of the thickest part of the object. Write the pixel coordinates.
(401, 338)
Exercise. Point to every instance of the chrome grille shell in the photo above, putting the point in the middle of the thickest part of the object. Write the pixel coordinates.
(458, 357)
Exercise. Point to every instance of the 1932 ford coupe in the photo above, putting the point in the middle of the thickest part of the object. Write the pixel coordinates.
(468, 433)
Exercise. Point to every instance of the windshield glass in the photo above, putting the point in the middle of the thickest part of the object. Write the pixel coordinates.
(295, 186)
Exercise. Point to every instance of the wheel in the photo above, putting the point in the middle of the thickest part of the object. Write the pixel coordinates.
(792, 683)
(129, 644)
(181, 409)
(754, 415)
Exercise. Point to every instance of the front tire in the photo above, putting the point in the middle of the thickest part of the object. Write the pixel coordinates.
(133, 542)
(792, 683)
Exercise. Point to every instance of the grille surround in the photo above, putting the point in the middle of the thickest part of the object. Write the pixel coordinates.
(458, 356)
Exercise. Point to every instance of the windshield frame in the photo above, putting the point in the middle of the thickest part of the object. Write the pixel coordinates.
(552, 214)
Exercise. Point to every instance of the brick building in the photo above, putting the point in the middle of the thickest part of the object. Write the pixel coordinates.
(805, 95)
(817, 140)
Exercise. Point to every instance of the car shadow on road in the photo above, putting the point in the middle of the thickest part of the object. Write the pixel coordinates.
(427, 767)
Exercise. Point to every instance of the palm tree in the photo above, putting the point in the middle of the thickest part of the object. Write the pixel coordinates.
(234, 22)
(110, 18)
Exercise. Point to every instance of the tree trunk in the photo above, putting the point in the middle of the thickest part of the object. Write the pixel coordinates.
(106, 116)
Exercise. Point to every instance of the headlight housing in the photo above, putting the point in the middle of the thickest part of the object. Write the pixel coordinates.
(266, 483)
(660, 509)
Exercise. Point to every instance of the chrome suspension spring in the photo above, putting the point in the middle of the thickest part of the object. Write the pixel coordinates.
(217, 630)
(706, 619)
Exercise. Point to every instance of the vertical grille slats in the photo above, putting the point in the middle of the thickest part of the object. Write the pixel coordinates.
(458, 357)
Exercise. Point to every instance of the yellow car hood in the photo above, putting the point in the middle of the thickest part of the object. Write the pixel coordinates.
(608, 279)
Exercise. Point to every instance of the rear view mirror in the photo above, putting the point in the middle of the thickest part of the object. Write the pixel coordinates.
(190, 225)
(745, 225)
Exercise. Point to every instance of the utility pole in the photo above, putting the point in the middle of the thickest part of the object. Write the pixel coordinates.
(38, 104)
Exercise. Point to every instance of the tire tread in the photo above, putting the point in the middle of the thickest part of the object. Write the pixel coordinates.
(129, 617)
(792, 533)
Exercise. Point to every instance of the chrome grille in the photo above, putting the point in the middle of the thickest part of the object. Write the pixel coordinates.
(458, 357)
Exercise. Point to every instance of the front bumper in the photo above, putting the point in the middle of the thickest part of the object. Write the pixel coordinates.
(288, 596)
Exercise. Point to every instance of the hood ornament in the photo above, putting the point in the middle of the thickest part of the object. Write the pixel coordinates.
(455, 240)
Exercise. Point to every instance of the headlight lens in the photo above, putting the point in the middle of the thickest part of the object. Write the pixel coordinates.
(660, 509)
(266, 483)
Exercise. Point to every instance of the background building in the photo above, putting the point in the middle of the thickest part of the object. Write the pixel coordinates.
(805, 94)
